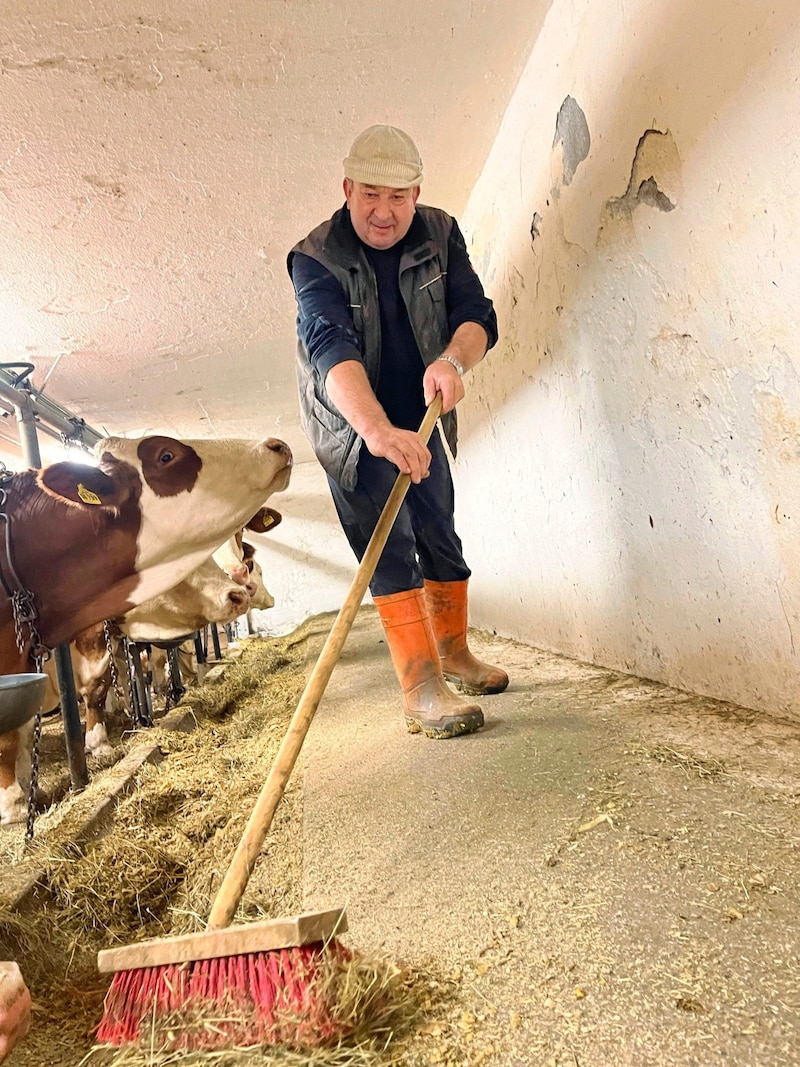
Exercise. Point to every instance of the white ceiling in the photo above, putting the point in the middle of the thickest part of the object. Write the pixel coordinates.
(158, 161)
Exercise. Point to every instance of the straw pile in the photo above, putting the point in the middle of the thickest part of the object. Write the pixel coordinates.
(156, 871)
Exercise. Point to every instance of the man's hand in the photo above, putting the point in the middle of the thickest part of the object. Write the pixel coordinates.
(442, 377)
(468, 346)
(351, 392)
(15, 1007)
(404, 448)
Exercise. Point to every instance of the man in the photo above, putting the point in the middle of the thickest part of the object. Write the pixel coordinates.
(390, 313)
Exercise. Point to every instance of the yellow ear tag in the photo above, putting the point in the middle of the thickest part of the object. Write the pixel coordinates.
(87, 496)
(268, 524)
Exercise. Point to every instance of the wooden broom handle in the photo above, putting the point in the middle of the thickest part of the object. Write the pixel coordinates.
(244, 858)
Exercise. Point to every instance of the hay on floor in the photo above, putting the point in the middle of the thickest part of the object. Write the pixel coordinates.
(155, 872)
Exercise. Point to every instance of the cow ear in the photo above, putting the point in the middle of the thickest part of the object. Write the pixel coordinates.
(80, 485)
(265, 520)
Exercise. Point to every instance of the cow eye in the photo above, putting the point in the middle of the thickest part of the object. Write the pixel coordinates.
(166, 456)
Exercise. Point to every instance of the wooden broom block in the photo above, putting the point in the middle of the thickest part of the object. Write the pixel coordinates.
(264, 936)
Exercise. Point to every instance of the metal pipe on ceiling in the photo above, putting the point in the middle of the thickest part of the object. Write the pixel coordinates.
(48, 413)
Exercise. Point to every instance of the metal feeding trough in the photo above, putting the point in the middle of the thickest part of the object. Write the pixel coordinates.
(21, 697)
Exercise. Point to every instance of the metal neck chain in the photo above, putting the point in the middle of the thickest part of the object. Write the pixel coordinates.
(26, 633)
(111, 631)
(25, 629)
(25, 616)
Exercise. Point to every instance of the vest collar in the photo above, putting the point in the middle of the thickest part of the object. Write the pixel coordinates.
(344, 247)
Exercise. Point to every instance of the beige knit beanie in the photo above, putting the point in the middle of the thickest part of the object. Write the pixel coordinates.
(384, 155)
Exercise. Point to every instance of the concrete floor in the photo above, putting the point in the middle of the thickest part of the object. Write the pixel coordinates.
(608, 873)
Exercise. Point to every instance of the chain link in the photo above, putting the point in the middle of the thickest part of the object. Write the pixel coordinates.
(34, 786)
(118, 691)
(26, 634)
(25, 615)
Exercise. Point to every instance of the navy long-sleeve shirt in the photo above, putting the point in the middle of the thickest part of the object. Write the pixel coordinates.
(325, 324)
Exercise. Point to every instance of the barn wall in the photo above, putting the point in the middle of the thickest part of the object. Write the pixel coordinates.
(628, 479)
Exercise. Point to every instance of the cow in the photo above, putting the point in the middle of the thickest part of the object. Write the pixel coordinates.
(91, 543)
(206, 595)
(230, 556)
(91, 670)
(260, 597)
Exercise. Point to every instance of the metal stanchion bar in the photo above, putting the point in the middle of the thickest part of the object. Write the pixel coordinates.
(215, 640)
(73, 730)
(176, 686)
(46, 411)
(199, 651)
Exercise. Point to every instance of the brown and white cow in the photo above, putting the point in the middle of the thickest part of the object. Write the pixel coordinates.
(91, 543)
(91, 671)
(260, 597)
(231, 557)
(207, 595)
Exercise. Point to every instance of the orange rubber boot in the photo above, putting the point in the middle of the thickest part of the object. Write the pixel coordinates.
(447, 602)
(428, 704)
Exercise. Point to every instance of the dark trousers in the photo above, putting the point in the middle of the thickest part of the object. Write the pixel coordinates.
(423, 542)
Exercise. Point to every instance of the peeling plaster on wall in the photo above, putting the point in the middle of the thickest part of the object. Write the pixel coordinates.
(656, 167)
(536, 222)
(572, 133)
(779, 425)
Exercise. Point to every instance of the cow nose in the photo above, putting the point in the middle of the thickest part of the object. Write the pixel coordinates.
(239, 599)
(274, 444)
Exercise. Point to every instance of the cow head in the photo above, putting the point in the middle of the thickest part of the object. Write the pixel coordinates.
(199, 488)
(260, 596)
(231, 557)
(91, 543)
(205, 595)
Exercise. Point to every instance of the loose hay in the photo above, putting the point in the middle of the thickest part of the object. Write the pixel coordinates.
(156, 871)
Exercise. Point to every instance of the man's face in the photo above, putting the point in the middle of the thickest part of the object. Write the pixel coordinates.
(381, 216)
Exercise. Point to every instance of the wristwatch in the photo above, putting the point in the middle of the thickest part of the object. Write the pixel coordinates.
(452, 360)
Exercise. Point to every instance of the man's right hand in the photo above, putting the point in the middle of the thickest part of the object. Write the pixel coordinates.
(15, 1007)
(404, 448)
(349, 388)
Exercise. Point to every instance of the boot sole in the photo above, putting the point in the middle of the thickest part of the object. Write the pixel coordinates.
(445, 728)
(474, 690)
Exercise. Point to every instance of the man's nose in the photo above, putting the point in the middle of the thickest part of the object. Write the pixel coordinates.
(383, 209)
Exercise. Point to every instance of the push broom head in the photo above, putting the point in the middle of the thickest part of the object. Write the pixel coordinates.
(267, 983)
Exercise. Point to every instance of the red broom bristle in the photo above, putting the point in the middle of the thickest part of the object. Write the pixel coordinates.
(262, 998)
